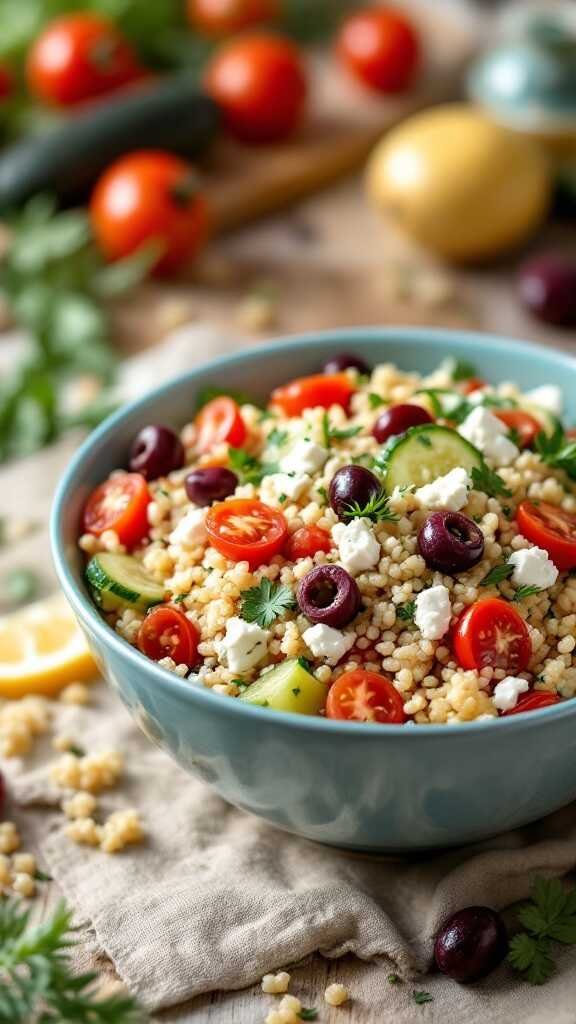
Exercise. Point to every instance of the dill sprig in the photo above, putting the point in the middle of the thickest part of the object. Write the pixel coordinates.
(377, 508)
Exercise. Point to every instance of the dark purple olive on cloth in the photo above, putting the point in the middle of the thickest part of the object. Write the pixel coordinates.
(470, 944)
(156, 451)
(547, 287)
(212, 483)
(450, 542)
(328, 594)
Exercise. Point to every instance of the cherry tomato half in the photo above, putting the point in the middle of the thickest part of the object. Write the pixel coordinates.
(167, 633)
(362, 696)
(219, 421)
(532, 701)
(119, 504)
(551, 528)
(225, 17)
(323, 389)
(525, 425)
(150, 196)
(473, 384)
(380, 47)
(260, 83)
(491, 632)
(243, 529)
(306, 541)
(78, 57)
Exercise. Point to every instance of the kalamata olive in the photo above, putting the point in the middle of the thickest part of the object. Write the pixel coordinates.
(345, 361)
(352, 483)
(328, 594)
(450, 542)
(397, 420)
(213, 483)
(156, 451)
(547, 286)
(470, 944)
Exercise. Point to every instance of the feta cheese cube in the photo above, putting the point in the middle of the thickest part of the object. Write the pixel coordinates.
(243, 646)
(548, 396)
(328, 643)
(304, 457)
(291, 485)
(357, 546)
(191, 530)
(449, 491)
(507, 691)
(533, 568)
(433, 612)
(487, 433)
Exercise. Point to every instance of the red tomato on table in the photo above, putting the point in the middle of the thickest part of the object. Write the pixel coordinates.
(78, 57)
(225, 17)
(362, 696)
(491, 632)
(260, 83)
(219, 421)
(381, 48)
(525, 425)
(119, 504)
(167, 633)
(532, 701)
(244, 529)
(305, 542)
(551, 528)
(321, 389)
(150, 197)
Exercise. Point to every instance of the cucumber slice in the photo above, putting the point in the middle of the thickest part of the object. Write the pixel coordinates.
(119, 581)
(547, 419)
(288, 688)
(424, 453)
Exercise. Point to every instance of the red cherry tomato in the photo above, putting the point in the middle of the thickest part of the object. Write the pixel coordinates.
(259, 81)
(150, 197)
(323, 389)
(243, 529)
(491, 632)
(380, 46)
(219, 421)
(551, 528)
(6, 83)
(225, 17)
(525, 425)
(362, 696)
(78, 57)
(473, 384)
(306, 541)
(532, 701)
(167, 633)
(119, 504)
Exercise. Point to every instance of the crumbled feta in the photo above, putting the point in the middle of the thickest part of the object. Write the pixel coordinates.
(533, 568)
(243, 646)
(357, 546)
(433, 612)
(191, 530)
(291, 485)
(449, 491)
(487, 433)
(304, 457)
(326, 642)
(507, 691)
(548, 396)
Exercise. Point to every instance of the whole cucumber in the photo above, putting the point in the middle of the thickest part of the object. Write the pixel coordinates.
(66, 160)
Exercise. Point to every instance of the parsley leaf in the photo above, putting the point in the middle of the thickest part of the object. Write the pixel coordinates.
(485, 479)
(393, 979)
(330, 433)
(377, 509)
(526, 591)
(277, 437)
(248, 468)
(462, 370)
(550, 915)
(531, 957)
(305, 663)
(557, 450)
(422, 997)
(264, 603)
(496, 575)
(407, 611)
(310, 1013)
(375, 401)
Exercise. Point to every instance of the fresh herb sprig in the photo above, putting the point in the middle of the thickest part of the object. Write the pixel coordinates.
(557, 450)
(527, 590)
(497, 575)
(36, 978)
(248, 468)
(266, 602)
(406, 612)
(377, 508)
(330, 433)
(487, 480)
(548, 917)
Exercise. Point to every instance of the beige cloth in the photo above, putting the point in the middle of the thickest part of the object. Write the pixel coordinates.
(215, 898)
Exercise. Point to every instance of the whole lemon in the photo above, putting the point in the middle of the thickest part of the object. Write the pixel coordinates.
(459, 183)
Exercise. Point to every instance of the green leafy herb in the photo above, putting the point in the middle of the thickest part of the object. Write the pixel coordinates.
(462, 370)
(180, 598)
(506, 511)
(549, 916)
(242, 686)
(422, 997)
(282, 498)
(41, 876)
(377, 509)
(76, 750)
(323, 494)
(330, 433)
(37, 982)
(557, 450)
(375, 401)
(393, 979)
(407, 611)
(485, 479)
(264, 603)
(305, 663)
(308, 1014)
(277, 437)
(526, 591)
(447, 404)
(248, 468)
(19, 586)
(514, 436)
(497, 575)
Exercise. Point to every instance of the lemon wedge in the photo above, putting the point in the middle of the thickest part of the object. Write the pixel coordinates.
(42, 649)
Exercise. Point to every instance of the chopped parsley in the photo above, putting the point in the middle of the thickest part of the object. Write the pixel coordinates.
(323, 494)
(506, 511)
(330, 433)
(526, 591)
(377, 509)
(305, 663)
(485, 479)
(277, 437)
(422, 997)
(41, 876)
(76, 750)
(407, 611)
(309, 1013)
(393, 979)
(375, 401)
(497, 575)
(462, 370)
(557, 450)
(549, 916)
(248, 468)
(180, 598)
(266, 602)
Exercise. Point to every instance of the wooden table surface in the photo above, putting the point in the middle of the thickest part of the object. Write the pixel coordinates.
(328, 262)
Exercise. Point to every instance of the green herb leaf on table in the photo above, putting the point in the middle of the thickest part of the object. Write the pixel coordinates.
(497, 575)
(422, 997)
(266, 602)
(531, 957)
(549, 916)
(308, 1013)
(19, 586)
(393, 979)
(485, 479)
(330, 433)
(377, 509)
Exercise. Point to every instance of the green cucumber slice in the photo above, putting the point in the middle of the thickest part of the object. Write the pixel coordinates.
(424, 453)
(289, 687)
(119, 581)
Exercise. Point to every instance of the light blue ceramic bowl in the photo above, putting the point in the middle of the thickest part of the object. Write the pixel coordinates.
(369, 787)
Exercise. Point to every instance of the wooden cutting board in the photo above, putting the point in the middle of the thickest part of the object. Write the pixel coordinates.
(343, 123)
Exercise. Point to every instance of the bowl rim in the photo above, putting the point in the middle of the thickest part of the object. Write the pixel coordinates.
(180, 688)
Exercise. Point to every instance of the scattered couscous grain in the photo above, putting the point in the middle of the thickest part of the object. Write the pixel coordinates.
(24, 862)
(91, 772)
(9, 837)
(81, 805)
(276, 984)
(123, 828)
(24, 885)
(336, 994)
(75, 693)
(84, 831)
